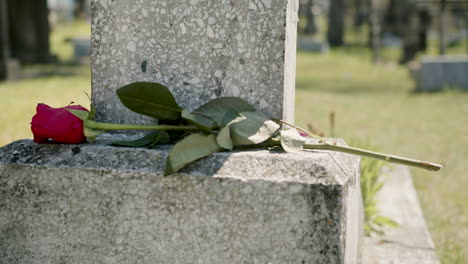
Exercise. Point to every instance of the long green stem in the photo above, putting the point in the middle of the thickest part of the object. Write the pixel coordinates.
(376, 155)
(107, 126)
(366, 153)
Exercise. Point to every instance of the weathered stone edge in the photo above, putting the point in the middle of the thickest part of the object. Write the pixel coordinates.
(309, 167)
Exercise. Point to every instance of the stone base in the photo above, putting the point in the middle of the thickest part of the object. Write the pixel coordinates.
(94, 203)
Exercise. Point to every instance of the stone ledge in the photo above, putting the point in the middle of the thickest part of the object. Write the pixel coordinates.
(311, 167)
(94, 203)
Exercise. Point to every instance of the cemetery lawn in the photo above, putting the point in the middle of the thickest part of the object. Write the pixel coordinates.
(375, 104)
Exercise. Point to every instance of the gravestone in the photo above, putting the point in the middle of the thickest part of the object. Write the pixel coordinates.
(95, 203)
(438, 72)
(308, 44)
(81, 48)
(217, 48)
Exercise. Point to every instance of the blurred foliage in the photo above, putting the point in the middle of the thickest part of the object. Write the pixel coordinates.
(62, 36)
(371, 183)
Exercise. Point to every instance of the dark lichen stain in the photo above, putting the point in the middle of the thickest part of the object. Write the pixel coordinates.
(14, 159)
(143, 65)
(76, 150)
(218, 91)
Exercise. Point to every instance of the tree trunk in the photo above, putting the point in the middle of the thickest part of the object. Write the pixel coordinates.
(361, 14)
(375, 30)
(29, 31)
(4, 41)
(80, 9)
(443, 7)
(336, 16)
(311, 27)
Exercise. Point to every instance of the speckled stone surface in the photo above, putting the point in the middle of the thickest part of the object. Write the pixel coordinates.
(94, 203)
(200, 49)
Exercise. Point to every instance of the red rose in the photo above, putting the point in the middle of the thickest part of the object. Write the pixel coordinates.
(57, 124)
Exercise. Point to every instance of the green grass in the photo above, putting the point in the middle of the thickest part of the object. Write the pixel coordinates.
(373, 103)
(59, 86)
(18, 101)
(376, 103)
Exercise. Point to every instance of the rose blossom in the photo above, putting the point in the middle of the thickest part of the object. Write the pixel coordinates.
(57, 124)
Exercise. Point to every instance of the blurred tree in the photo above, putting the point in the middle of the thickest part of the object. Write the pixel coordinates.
(442, 18)
(336, 23)
(29, 31)
(374, 29)
(4, 42)
(403, 18)
(80, 9)
(360, 13)
(311, 26)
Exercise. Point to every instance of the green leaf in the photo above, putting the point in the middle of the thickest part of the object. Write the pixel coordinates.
(189, 149)
(251, 128)
(224, 138)
(141, 142)
(218, 110)
(385, 221)
(163, 137)
(150, 99)
(203, 123)
(81, 114)
(292, 141)
(90, 133)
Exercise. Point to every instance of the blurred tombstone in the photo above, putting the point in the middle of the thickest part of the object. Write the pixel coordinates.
(61, 10)
(391, 40)
(438, 72)
(29, 31)
(307, 44)
(82, 49)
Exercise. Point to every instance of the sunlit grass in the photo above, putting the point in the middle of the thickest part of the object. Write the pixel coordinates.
(376, 103)
(19, 99)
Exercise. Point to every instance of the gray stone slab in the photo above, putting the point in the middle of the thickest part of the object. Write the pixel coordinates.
(411, 242)
(437, 72)
(93, 203)
(308, 44)
(81, 47)
(200, 49)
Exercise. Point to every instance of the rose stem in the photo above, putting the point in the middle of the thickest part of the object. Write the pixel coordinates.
(376, 155)
(107, 126)
(366, 153)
